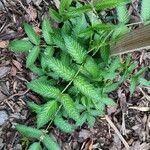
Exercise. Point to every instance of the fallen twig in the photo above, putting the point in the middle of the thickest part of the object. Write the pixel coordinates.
(10, 97)
(117, 132)
(144, 109)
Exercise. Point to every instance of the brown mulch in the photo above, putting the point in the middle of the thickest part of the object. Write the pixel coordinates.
(132, 123)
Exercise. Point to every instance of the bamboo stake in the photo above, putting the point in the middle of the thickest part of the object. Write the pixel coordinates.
(135, 40)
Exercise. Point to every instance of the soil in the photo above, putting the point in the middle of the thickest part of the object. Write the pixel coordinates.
(131, 116)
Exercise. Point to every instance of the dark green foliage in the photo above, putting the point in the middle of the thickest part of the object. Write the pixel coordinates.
(75, 73)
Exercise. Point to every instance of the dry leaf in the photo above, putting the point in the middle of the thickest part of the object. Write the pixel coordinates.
(17, 64)
(4, 44)
(13, 71)
(32, 13)
(37, 30)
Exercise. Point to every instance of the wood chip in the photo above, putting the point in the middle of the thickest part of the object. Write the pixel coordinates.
(4, 71)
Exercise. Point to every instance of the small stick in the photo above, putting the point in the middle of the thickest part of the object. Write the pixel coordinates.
(117, 132)
(16, 94)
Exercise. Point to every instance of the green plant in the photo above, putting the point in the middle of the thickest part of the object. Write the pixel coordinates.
(75, 72)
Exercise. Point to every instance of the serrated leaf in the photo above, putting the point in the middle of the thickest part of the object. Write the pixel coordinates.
(63, 125)
(49, 143)
(75, 49)
(78, 11)
(58, 40)
(47, 30)
(145, 11)
(140, 72)
(29, 131)
(144, 82)
(90, 121)
(55, 15)
(65, 58)
(48, 111)
(97, 27)
(64, 4)
(36, 70)
(105, 53)
(108, 101)
(63, 71)
(111, 87)
(20, 45)
(33, 36)
(79, 27)
(133, 84)
(34, 107)
(92, 67)
(132, 67)
(108, 4)
(86, 33)
(35, 146)
(48, 53)
(32, 56)
(122, 13)
(119, 32)
(82, 119)
(96, 113)
(86, 88)
(43, 89)
(70, 106)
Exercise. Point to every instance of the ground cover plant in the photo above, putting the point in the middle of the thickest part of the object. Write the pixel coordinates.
(75, 72)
